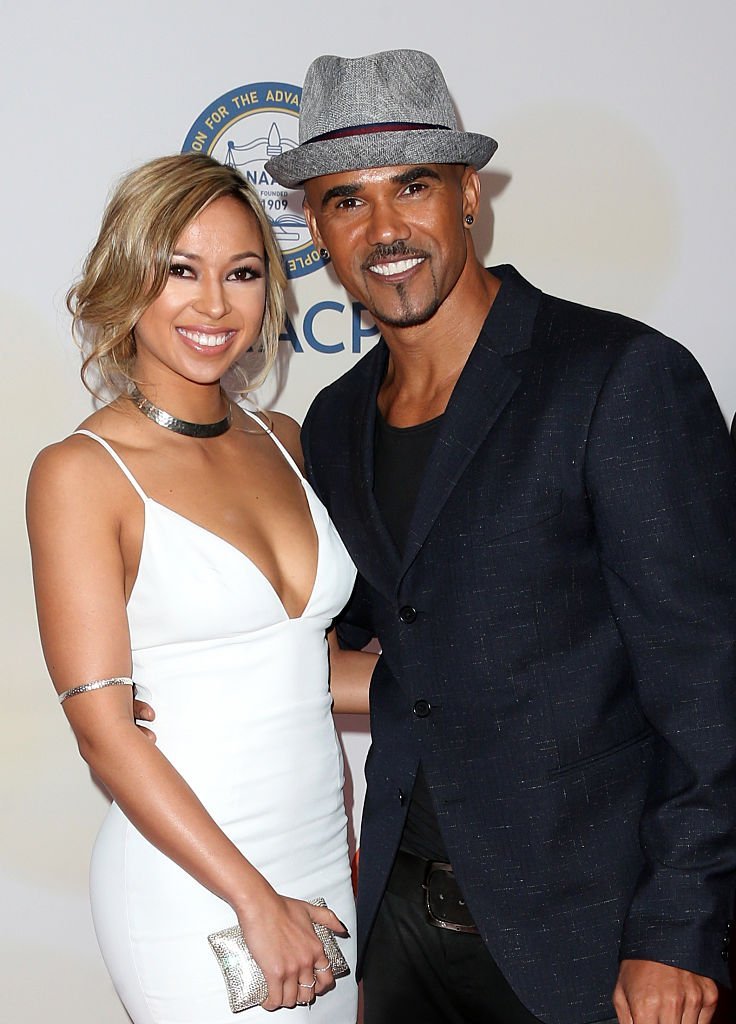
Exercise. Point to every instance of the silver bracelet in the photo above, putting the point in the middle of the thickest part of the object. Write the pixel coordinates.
(97, 684)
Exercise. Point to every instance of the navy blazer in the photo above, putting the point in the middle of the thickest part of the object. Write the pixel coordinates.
(559, 645)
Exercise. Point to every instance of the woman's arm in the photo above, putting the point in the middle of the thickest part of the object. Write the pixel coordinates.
(74, 526)
(350, 678)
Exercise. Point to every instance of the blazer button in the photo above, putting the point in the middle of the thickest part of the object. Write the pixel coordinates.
(407, 613)
(422, 708)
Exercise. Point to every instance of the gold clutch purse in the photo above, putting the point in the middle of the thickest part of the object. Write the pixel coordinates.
(244, 980)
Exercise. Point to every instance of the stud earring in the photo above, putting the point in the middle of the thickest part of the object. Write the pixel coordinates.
(469, 218)
(324, 254)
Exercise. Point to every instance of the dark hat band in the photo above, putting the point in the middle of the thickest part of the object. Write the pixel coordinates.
(371, 129)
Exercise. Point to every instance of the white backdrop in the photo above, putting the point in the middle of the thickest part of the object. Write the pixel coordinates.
(613, 185)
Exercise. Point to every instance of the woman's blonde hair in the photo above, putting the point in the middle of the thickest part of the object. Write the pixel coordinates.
(128, 265)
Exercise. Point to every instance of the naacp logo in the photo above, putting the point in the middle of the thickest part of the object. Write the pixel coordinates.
(246, 127)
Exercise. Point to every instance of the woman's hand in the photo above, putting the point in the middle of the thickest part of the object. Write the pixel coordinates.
(279, 933)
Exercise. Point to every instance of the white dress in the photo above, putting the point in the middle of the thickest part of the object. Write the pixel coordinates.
(243, 713)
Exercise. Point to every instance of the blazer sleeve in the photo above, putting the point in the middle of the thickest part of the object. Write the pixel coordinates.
(661, 476)
(306, 440)
(354, 627)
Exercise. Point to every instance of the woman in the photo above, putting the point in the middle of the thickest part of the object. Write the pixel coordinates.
(176, 543)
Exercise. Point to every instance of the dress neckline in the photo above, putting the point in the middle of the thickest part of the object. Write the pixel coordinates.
(148, 501)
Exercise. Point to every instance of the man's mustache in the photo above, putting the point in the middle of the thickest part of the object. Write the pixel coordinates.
(397, 250)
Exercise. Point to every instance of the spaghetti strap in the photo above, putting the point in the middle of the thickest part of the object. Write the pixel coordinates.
(284, 451)
(108, 448)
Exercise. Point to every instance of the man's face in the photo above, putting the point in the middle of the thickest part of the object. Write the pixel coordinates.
(395, 235)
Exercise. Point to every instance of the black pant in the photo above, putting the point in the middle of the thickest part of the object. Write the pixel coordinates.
(416, 973)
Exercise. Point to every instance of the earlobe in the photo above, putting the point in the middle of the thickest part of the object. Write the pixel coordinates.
(471, 195)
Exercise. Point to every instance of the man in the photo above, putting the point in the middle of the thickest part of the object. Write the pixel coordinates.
(540, 499)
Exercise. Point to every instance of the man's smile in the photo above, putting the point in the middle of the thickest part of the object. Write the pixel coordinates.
(397, 267)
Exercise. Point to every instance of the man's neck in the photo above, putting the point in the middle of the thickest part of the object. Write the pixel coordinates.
(426, 360)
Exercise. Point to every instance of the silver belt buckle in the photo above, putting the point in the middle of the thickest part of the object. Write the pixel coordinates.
(438, 893)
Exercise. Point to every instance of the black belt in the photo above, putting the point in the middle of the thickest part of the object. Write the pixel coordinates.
(433, 884)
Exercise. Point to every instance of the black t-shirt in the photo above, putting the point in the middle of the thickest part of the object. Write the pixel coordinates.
(401, 455)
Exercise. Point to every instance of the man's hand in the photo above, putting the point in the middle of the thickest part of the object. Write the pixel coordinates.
(144, 712)
(652, 993)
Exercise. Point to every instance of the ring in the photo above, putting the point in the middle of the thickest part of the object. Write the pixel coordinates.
(321, 970)
(303, 984)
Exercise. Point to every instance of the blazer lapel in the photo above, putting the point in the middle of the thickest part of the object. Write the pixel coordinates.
(379, 557)
(483, 390)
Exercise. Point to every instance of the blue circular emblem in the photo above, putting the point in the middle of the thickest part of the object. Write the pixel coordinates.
(244, 128)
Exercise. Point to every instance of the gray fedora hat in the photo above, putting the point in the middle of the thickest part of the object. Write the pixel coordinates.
(386, 109)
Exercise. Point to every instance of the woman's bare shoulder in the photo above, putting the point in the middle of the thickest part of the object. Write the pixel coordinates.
(68, 461)
(288, 432)
(67, 472)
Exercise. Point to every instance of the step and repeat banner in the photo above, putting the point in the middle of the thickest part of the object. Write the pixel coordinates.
(612, 186)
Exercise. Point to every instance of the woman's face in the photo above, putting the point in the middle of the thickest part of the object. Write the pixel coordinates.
(211, 308)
